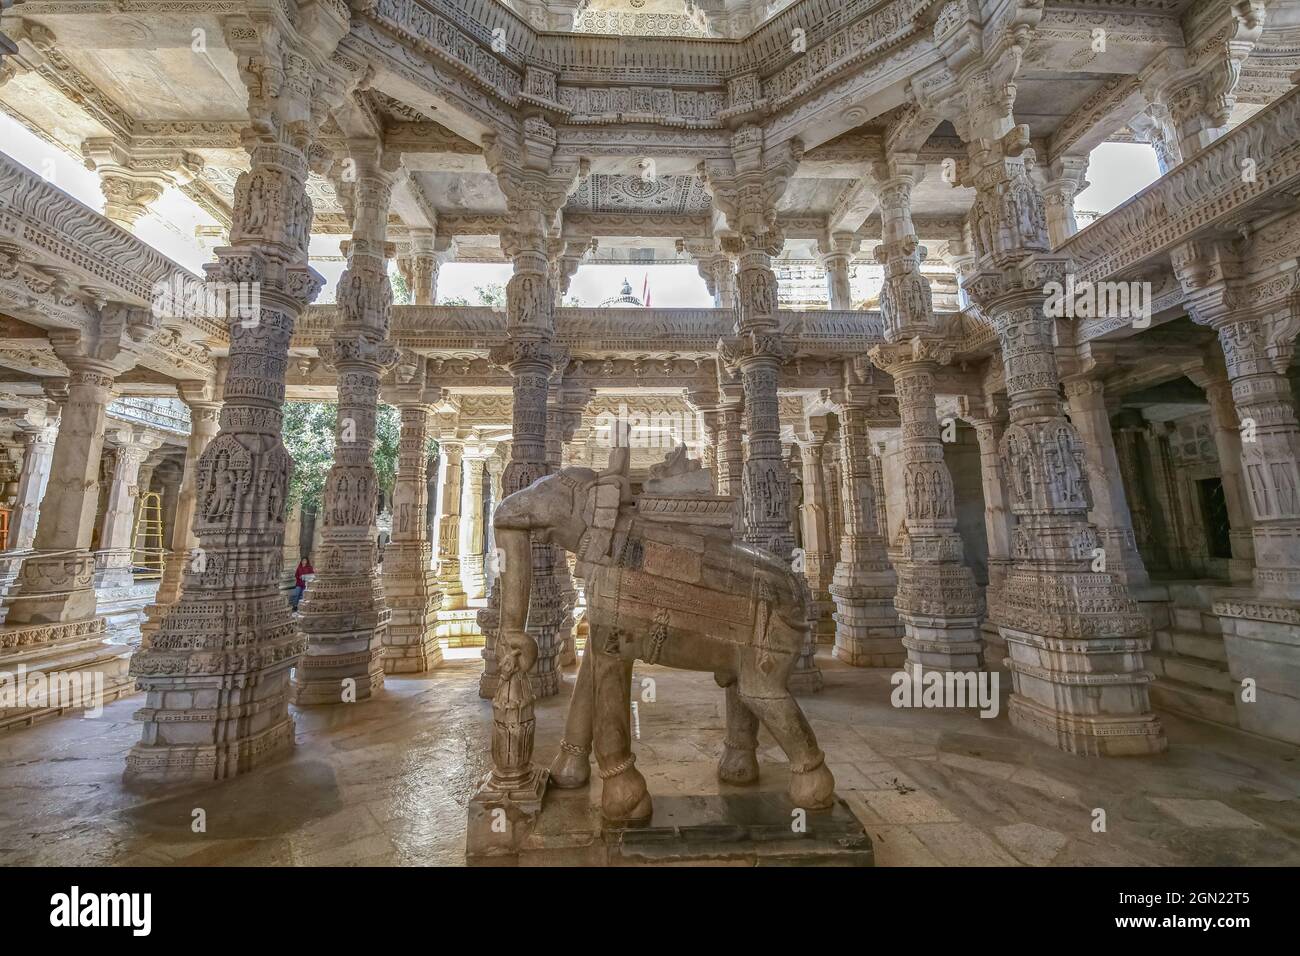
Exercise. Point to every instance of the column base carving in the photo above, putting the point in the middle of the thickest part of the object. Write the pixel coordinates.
(938, 603)
(345, 624)
(215, 709)
(453, 592)
(409, 645)
(1075, 643)
(867, 630)
(53, 588)
(472, 576)
(180, 762)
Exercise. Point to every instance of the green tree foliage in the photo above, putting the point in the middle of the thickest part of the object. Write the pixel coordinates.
(308, 434)
(492, 295)
(401, 291)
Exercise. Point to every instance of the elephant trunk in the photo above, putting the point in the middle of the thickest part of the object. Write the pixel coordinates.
(516, 566)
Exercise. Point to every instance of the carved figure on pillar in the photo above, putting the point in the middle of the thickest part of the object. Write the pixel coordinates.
(343, 613)
(217, 673)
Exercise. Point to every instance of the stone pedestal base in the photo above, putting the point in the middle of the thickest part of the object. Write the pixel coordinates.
(1262, 640)
(459, 628)
(867, 630)
(410, 644)
(739, 828)
(1085, 696)
(995, 648)
(502, 818)
(156, 760)
(323, 673)
(54, 587)
(345, 621)
(73, 664)
(822, 618)
(943, 644)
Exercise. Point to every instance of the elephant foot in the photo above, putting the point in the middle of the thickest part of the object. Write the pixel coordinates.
(812, 789)
(737, 766)
(571, 767)
(624, 797)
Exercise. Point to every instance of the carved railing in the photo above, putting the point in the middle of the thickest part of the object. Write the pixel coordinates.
(165, 414)
(40, 223)
(1219, 188)
(634, 331)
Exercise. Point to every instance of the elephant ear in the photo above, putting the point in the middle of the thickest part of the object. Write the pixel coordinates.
(607, 493)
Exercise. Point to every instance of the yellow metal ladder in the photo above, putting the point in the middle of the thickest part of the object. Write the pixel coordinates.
(148, 557)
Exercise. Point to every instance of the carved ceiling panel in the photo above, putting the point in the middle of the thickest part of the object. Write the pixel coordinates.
(675, 195)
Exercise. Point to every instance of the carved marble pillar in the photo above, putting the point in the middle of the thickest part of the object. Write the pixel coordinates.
(563, 418)
(450, 481)
(1109, 512)
(1227, 442)
(410, 644)
(937, 599)
(496, 466)
(1201, 96)
(133, 179)
(722, 271)
(343, 613)
(113, 560)
(757, 353)
(1066, 179)
(38, 454)
(868, 632)
(818, 552)
(1075, 636)
(836, 252)
(57, 581)
(217, 673)
(292, 545)
(999, 525)
(1266, 408)
(471, 524)
(1168, 524)
(1258, 345)
(427, 255)
(530, 358)
(730, 449)
(1155, 127)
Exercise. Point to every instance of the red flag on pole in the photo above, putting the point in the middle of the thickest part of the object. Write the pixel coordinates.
(645, 290)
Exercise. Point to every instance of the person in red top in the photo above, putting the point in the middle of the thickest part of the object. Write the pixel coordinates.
(299, 582)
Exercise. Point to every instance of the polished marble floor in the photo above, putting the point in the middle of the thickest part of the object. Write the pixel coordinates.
(386, 782)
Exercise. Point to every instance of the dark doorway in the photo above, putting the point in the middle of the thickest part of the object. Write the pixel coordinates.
(1214, 509)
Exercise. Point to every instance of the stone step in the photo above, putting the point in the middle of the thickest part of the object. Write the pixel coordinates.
(1189, 670)
(1194, 701)
(109, 661)
(1194, 619)
(1186, 644)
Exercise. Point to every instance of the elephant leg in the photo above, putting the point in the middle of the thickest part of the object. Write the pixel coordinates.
(571, 767)
(739, 765)
(624, 797)
(811, 784)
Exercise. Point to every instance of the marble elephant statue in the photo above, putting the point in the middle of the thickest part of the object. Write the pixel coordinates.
(665, 584)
